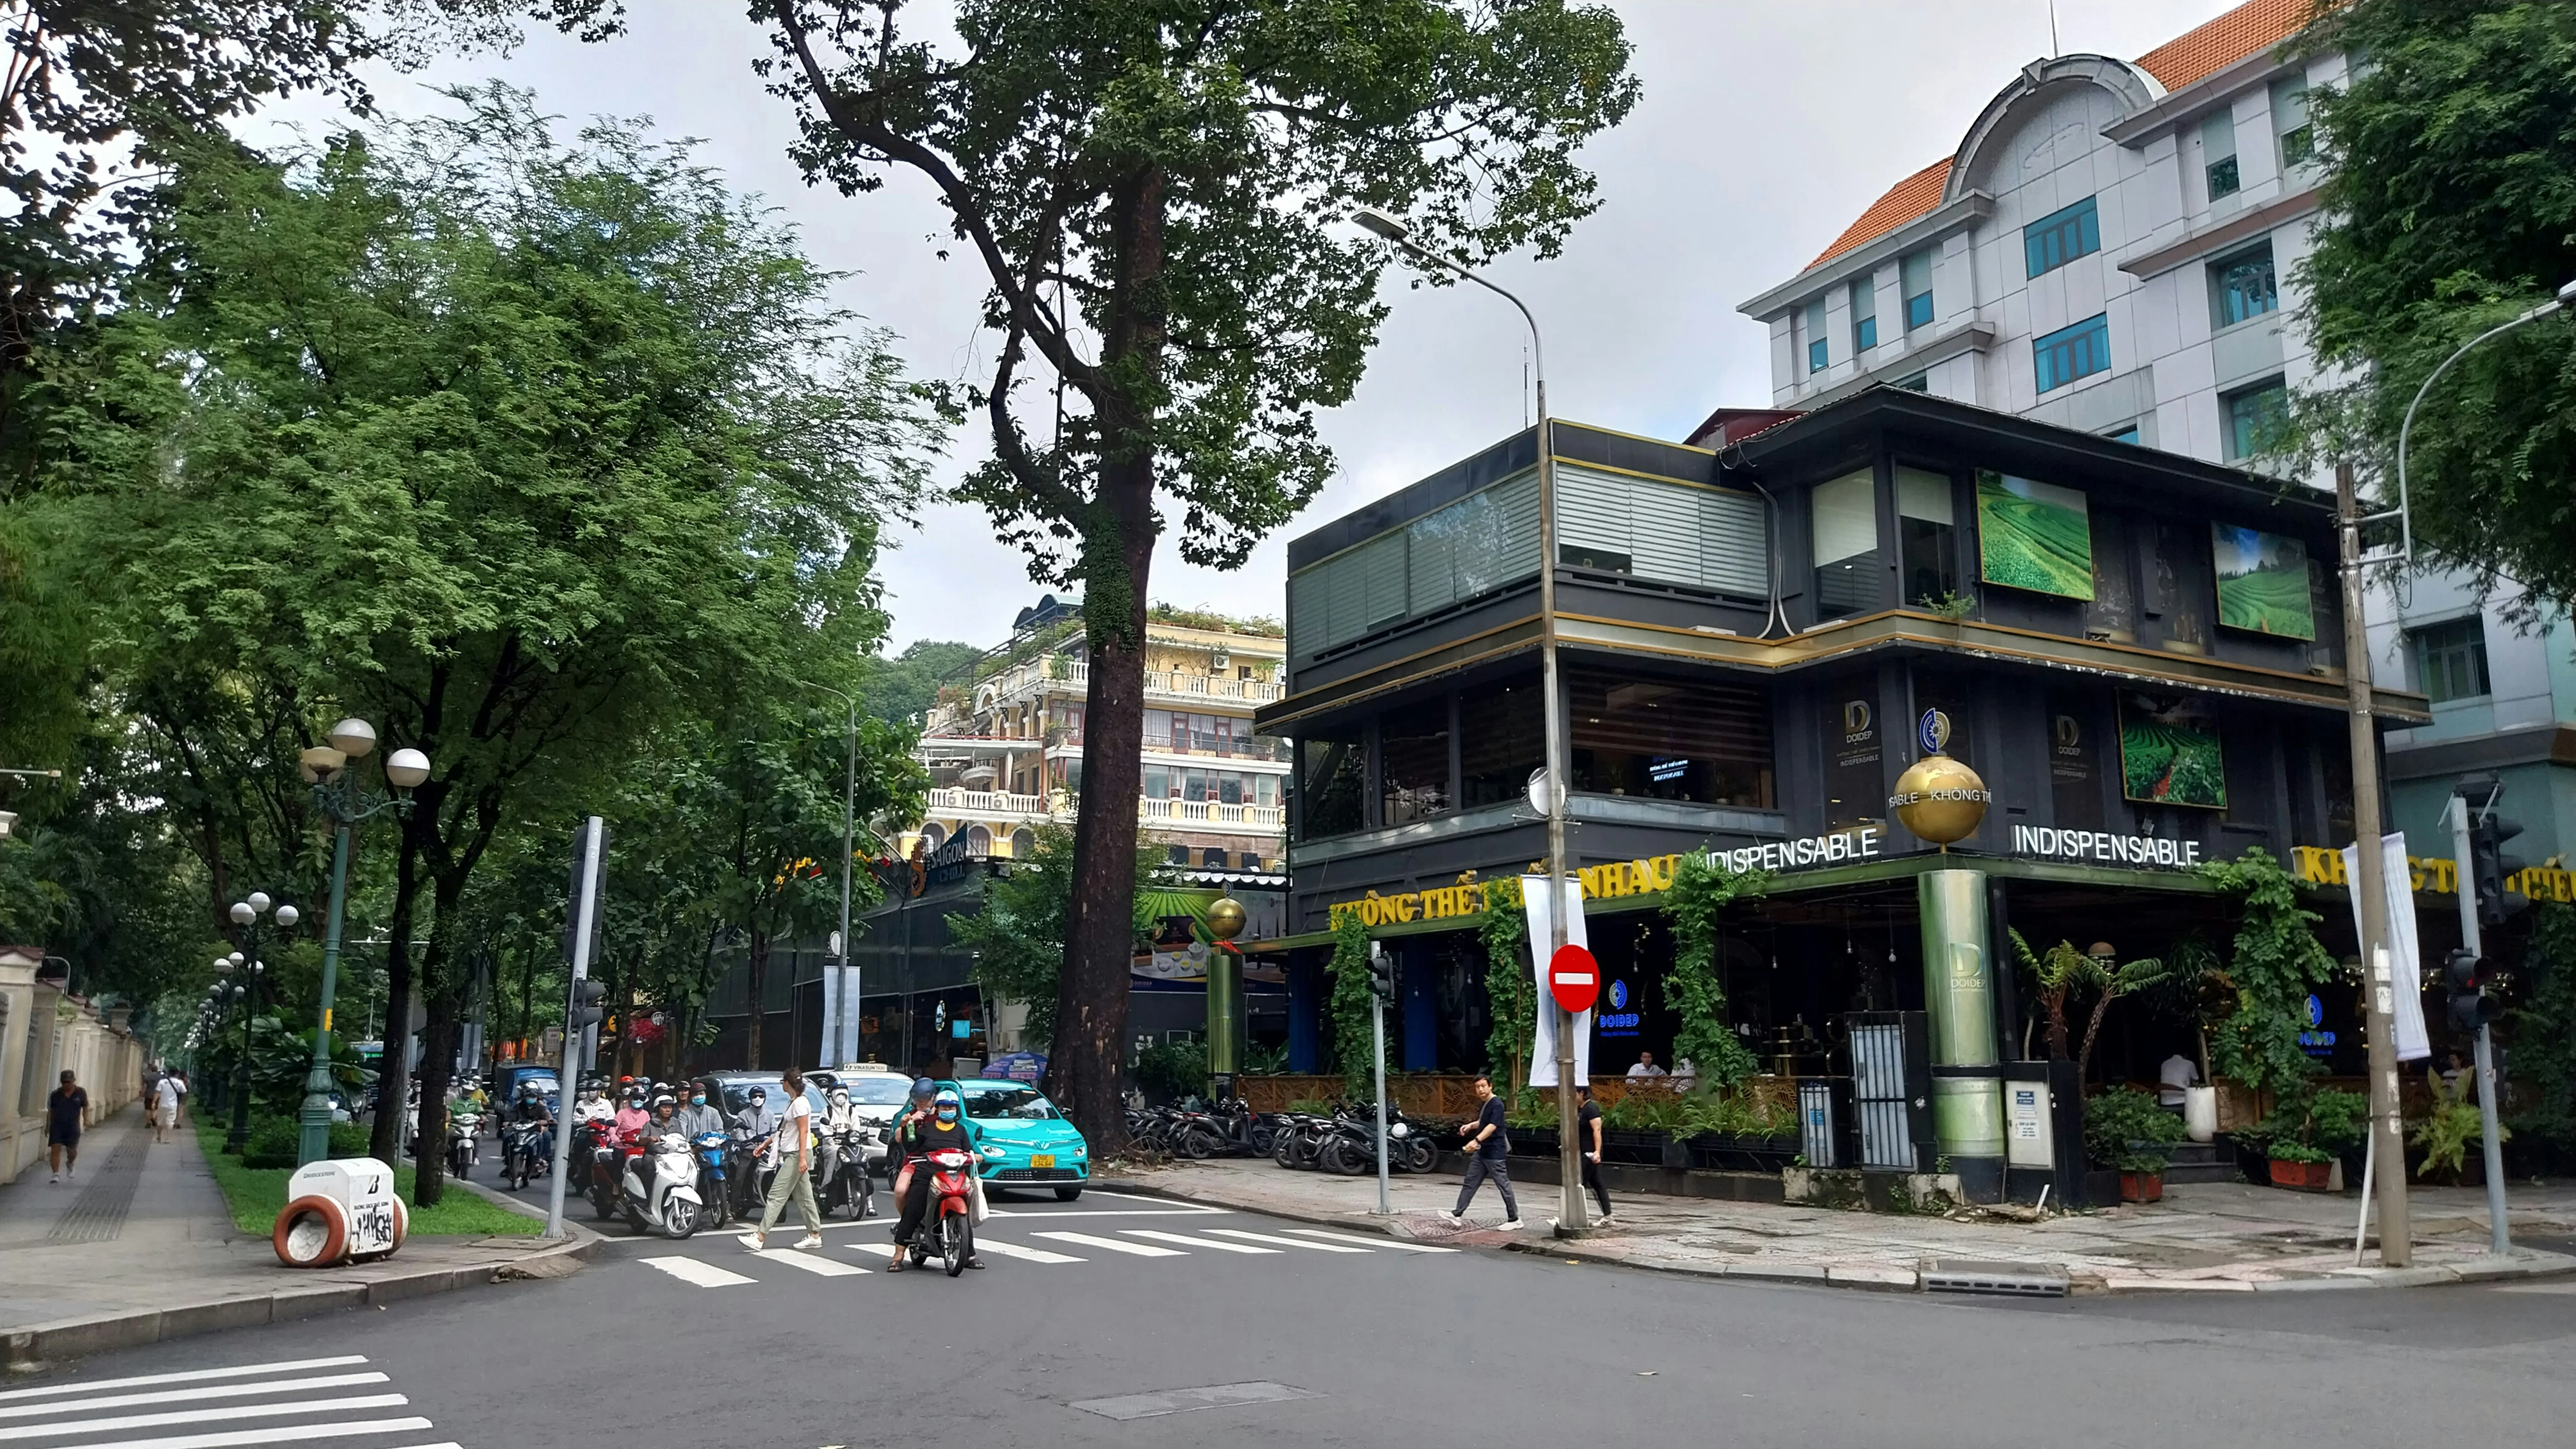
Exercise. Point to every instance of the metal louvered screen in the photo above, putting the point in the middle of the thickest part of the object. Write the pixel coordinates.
(1881, 1096)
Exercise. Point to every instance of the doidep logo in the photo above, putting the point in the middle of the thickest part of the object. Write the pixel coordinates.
(1934, 731)
(1856, 719)
(1618, 1020)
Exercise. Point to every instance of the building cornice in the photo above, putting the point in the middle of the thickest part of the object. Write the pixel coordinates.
(2197, 244)
(1951, 216)
(1969, 334)
(2179, 108)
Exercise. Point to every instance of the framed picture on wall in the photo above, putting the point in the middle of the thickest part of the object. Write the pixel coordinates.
(2169, 753)
(2035, 536)
(2262, 582)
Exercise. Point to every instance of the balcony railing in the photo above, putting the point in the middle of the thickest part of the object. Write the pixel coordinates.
(955, 801)
(1074, 677)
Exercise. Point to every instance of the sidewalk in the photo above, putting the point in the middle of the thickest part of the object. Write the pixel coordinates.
(2204, 1236)
(139, 1248)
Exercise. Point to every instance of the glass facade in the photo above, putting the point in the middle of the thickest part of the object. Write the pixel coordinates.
(1843, 517)
(1413, 763)
(2072, 352)
(1703, 742)
(2243, 286)
(2062, 236)
(1927, 537)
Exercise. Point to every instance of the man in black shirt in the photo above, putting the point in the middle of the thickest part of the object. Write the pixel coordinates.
(64, 1108)
(1587, 1136)
(1485, 1146)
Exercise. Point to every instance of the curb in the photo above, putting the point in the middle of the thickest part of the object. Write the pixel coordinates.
(1881, 1278)
(27, 1350)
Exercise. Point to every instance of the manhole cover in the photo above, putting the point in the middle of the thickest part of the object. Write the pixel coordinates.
(1181, 1401)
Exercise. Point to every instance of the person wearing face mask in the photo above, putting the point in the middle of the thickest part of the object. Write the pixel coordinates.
(632, 1117)
(697, 1116)
(841, 1124)
(942, 1129)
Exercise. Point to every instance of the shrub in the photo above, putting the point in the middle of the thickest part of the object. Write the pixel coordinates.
(1173, 1069)
(2126, 1130)
(272, 1143)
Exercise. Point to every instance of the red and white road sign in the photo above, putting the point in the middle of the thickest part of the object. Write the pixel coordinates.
(1574, 978)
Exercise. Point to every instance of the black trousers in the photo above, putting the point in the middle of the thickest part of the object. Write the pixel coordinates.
(1592, 1180)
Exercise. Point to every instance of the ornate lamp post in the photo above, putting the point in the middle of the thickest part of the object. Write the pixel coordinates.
(246, 914)
(337, 793)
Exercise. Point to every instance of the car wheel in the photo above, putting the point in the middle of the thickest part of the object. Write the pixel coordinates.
(1067, 1194)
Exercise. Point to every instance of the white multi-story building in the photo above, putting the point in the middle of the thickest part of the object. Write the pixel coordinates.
(2111, 247)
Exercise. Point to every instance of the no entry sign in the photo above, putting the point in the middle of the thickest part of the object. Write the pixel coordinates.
(1574, 978)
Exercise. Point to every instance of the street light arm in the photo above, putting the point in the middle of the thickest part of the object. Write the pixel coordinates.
(2406, 426)
(1538, 353)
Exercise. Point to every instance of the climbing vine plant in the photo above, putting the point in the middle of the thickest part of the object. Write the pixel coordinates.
(2276, 962)
(1511, 991)
(1702, 890)
(1350, 1004)
(2544, 1038)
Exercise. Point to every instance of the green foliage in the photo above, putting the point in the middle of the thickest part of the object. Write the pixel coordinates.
(1949, 605)
(1264, 1061)
(1700, 894)
(1511, 985)
(2055, 975)
(2447, 1132)
(2290, 1149)
(2275, 962)
(1690, 1114)
(1173, 1069)
(272, 1143)
(901, 690)
(2447, 212)
(1018, 934)
(1260, 624)
(2125, 1130)
(2544, 1024)
(1349, 1006)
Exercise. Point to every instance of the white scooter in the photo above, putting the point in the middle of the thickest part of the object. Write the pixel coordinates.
(671, 1206)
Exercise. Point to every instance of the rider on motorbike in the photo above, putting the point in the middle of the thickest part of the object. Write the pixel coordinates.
(839, 1117)
(632, 1117)
(697, 1117)
(940, 1128)
(532, 1106)
(592, 1105)
(660, 1123)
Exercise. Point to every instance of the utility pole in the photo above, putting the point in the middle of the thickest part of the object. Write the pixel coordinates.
(2472, 882)
(1381, 987)
(2387, 1134)
(582, 1000)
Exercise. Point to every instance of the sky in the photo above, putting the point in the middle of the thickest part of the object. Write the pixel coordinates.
(1764, 128)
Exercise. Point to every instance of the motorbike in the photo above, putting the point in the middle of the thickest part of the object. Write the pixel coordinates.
(745, 1174)
(841, 1171)
(710, 1149)
(461, 1151)
(657, 1191)
(527, 1151)
(1299, 1139)
(951, 1219)
(597, 1163)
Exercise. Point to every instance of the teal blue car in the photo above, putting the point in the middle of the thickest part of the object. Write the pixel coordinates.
(1021, 1139)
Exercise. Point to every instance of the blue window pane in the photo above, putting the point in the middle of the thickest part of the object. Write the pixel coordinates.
(1918, 311)
(2128, 434)
(2243, 286)
(1866, 334)
(2062, 236)
(2255, 419)
(2072, 352)
(1816, 355)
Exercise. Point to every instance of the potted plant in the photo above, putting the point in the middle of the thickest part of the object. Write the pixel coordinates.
(2301, 1166)
(2126, 1131)
(2447, 1131)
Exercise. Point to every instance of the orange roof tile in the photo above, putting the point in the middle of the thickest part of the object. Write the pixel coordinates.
(2250, 27)
(1914, 196)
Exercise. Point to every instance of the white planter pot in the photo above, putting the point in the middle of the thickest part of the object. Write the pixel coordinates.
(2200, 1113)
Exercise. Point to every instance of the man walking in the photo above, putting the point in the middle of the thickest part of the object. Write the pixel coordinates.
(1587, 1136)
(1485, 1147)
(165, 1107)
(64, 1109)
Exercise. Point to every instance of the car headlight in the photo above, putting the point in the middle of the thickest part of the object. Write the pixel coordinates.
(1079, 1149)
(992, 1152)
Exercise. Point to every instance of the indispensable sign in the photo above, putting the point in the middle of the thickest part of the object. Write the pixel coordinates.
(1574, 979)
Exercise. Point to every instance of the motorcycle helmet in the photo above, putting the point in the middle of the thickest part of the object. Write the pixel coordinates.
(947, 1107)
(923, 1087)
(840, 1096)
(759, 1095)
(665, 1100)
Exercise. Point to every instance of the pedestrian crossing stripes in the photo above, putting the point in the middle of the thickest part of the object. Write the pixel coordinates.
(1062, 1248)
(691, 1270)
(213, 1409)
(1398, 1244)
(1187, 1241)
(1112, 1245)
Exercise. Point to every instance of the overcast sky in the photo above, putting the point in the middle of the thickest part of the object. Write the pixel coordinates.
(1764, 129)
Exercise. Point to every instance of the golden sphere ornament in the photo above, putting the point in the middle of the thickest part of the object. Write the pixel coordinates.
(1225, 918)
(1940, 799)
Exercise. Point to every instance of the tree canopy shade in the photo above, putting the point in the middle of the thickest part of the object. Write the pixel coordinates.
(1152, 188)
(1017, 936)
(2450, 208)
(523, 449)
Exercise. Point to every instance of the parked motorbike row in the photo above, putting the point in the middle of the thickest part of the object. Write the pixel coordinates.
(1343, 1141)
(664, 1182)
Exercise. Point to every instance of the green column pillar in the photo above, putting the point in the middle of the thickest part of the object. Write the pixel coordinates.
(1958, 993)
(1224, 1018)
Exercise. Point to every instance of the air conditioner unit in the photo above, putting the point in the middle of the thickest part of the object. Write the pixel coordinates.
(1221, 663)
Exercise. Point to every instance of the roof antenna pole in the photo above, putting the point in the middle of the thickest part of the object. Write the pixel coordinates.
(2054, 49)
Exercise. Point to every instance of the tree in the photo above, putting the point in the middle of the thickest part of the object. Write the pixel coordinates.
(1146, 185)
(2276, 961)
(566, 442)
(1018, 934)
(2447, 211)
(901, 690)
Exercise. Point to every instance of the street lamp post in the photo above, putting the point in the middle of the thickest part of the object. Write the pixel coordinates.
(246, 914)
(849, 985)
(1571, 1208)
(337, 794)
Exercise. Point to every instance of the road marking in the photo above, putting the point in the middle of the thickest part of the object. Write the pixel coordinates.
(888, 1249)
(191, 1376)
(1286, 1242)
(818, 1265)
(1141, 1250)
(1396, 1243)
(1033, 1255)
(2563, 1285)
(199, 1416)
(690, 1270)
(290, 1434)
(1190, 1242)
(1163, 1212)
(204, 1391)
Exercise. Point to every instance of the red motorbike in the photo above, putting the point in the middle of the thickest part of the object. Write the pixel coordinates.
(951, 1219)
(598, 1161)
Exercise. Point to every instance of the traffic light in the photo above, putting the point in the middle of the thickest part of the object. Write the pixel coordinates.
(2490, 868)
(1381, 973)
(2470, 1006)
(587, 1009)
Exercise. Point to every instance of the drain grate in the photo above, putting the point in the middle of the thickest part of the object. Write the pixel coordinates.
(98, 1214)
(1177, 1401)
(2019, 1280)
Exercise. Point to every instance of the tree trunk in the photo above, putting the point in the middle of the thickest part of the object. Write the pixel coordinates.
(437, 1051)
(2092, 1029)
(384, 1140)
(759, 984)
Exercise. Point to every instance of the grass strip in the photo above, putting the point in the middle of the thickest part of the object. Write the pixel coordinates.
(257, 1194)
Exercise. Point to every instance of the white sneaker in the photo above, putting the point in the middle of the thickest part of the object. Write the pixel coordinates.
(810, 1240)
(753, 1241)
(1455, 1220)
(55, 1179)
(1510, 1225)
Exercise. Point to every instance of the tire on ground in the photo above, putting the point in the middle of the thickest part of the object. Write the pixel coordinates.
(296, 1240)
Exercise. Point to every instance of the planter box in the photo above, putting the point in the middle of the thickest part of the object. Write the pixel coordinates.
(2142, 1187)
(2302, 1176)
(1531, 1141)
(1718, 1152)
(1638, 1149)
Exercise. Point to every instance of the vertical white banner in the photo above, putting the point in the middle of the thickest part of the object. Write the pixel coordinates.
(1534, 896)
(849, 1014)
(827, 1049)
(2405, 958)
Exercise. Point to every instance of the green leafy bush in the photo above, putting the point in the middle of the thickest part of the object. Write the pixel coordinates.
(348, 1139)
(2125, 1129)
(2339, 1121)
(272, 1143)
(2291, 1150)
(2445, 1134)
(1173, 1069)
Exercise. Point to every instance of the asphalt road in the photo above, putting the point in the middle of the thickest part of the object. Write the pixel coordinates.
(678, 1346)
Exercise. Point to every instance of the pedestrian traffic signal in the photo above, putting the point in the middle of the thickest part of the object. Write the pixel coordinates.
(587, 1009)
(2490, 869)
(1381, 973)
(2470, 1006)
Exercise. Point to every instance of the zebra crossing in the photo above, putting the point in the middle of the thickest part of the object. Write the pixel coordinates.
(336, 1401)
(1036, 1247)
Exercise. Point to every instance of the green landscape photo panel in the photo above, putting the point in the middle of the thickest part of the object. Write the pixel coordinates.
(2169, 754)
(2034, 536)
(2262, 582)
